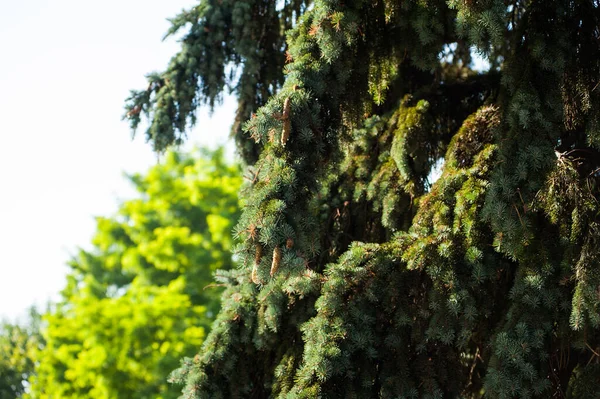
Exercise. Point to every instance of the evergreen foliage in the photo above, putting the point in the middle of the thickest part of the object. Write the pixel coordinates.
(142, 298)
(360, 276)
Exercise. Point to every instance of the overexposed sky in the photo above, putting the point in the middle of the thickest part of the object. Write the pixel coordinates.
(66, 67)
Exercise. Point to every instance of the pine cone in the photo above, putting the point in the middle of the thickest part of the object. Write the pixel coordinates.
(276, 261)
(257, 258)
(287, 123)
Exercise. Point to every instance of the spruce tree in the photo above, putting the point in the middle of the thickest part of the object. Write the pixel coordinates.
(360, 275)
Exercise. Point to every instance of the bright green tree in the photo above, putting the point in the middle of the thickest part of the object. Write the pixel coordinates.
(360, 276)
(143, 296)
(19, 343)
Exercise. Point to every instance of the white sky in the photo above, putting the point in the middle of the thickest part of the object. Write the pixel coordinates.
(66, 67)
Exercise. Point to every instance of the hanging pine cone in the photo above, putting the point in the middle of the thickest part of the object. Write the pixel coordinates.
(257, 258)
(276, 261)
(287, 123)
(254, 276)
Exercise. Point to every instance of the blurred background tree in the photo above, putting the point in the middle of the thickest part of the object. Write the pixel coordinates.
(19, 343)
(142, 297)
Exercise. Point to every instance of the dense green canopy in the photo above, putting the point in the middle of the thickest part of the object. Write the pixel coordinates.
(360, 277)
(143, 297)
